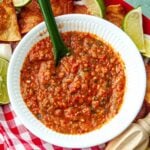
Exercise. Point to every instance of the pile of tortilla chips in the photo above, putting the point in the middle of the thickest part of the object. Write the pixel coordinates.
(13, 25)
(30, 15)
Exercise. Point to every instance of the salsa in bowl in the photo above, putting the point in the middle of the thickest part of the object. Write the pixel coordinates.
(84, 91)
(95, 90)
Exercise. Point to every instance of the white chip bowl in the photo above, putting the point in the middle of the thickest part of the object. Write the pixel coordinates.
(135, 81)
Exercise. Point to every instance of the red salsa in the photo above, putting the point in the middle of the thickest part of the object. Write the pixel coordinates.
(83, 92)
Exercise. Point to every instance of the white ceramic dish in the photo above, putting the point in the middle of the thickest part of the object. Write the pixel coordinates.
(135, 84)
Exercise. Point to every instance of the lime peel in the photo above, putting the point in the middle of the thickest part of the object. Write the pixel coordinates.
(4, 99)
(147, 46)
(132, 25)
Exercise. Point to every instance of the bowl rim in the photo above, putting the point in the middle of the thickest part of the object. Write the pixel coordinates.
(53, 140)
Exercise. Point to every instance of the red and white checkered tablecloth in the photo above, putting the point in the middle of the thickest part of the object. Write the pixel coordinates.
(14, 136)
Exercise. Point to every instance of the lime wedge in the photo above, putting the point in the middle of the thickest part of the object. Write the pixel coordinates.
(132, 25)
(147, 46)
(4, 99)
(147, 43)
(20, 3)
(96, 7)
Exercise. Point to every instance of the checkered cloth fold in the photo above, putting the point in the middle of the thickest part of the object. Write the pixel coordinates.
(14, 136)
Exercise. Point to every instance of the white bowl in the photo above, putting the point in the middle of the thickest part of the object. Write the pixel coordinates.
(135, 81)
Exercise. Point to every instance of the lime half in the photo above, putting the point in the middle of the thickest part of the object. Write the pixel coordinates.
(132, 25)
(147, 46)
(20, 3)
(4, 99)
(96, 7)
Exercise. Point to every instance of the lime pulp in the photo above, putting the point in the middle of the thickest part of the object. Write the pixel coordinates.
(20, 3)
(132, 25)
(4, 99)
(96, 7)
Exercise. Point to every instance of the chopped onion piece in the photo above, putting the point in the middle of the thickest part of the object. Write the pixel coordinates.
(5, 51)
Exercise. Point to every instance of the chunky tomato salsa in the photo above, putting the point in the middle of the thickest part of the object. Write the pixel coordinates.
(83, 92)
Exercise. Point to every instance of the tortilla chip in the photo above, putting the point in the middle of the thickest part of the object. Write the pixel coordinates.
(115, 14)
(81, 9)
(31, 15)
(61, 7)
(9, 30)
(147, 95)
